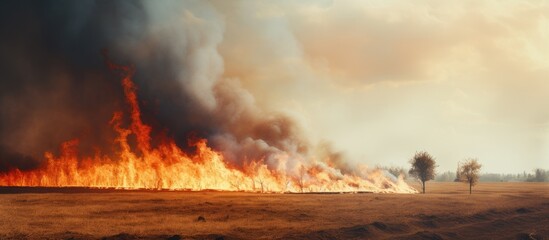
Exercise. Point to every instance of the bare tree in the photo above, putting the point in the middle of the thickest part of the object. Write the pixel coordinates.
(301, 179)
(261, 183)
(253, 183)
(396, 171)
(457, 174)
(423, 167)
(286, 182)
(286, 186)
(469, 172)
(236, 183)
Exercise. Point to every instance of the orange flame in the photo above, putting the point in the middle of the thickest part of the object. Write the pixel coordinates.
(168, 167)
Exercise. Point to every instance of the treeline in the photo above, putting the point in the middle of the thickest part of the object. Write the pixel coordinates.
(538, 175)
(423, 168)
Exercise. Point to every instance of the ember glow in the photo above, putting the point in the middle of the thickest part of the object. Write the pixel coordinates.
(166, 166)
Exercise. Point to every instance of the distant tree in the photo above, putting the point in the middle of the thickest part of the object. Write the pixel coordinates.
(396, 171)
(261, 184)
(301, 179)
(447, 176)
(457, 174)
(540, 175)
(493, 177)
(469, 172)
(423, 167)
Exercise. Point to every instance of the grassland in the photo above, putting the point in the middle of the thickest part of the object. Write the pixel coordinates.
(447, 211)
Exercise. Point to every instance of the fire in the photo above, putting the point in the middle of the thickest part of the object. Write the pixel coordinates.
(167, 166)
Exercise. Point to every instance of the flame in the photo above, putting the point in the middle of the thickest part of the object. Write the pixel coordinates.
(166, 166)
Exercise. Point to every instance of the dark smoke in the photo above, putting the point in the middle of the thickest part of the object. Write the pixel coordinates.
(55, 86)
(16, 160)
(52, 87)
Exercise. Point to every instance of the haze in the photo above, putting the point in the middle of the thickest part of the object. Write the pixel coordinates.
(383, 79)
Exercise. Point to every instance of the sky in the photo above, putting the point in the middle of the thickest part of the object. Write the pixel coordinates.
(369, 82)
(381, 80)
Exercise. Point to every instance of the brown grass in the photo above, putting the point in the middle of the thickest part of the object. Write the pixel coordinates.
(447, 211)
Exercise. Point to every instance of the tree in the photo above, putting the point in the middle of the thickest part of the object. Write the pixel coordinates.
(396, 171)
(447, 176)
(423, 167)
(457, 174)
(301, 179)
(540, 175)
(469, 172)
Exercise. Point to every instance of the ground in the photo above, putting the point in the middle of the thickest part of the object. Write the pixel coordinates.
(447, 211)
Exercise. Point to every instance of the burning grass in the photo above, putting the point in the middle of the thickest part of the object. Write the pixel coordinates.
(167, 166)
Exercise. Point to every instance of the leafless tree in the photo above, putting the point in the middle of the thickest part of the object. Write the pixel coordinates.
(253, 183)
(423, 167)
(396, 171)
(261, 183)
(469, 172)
(286, 180)
(457, 174)
(301, 179)
(236, 183)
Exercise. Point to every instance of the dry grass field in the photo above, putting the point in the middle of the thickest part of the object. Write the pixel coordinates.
(447, 211)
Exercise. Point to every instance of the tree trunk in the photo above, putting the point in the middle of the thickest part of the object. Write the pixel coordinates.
(423, 187)
(470, 186)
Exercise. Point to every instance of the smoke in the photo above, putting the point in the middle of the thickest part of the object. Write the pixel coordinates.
(56, 87)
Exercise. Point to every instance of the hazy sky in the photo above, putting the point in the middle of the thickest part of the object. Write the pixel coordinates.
(381, 80)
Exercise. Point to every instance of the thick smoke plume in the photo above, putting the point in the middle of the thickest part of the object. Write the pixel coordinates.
(55, 86)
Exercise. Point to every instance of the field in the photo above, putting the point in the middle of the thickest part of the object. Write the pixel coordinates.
(447, 211)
